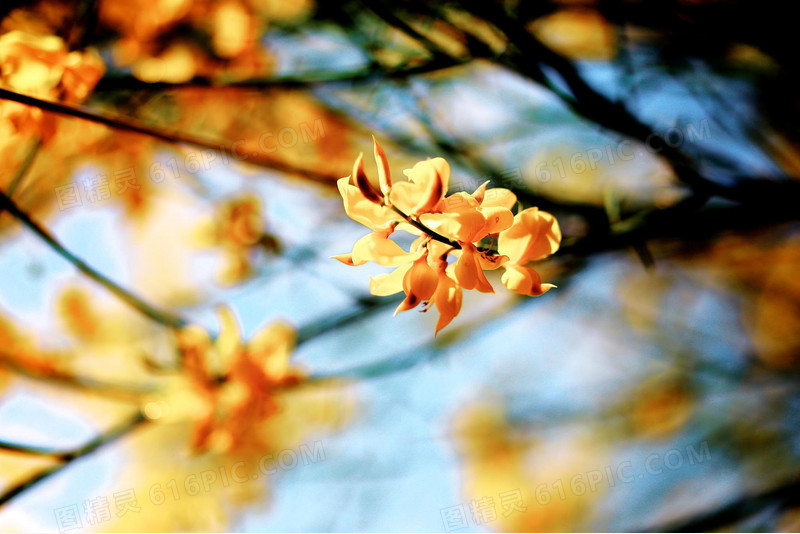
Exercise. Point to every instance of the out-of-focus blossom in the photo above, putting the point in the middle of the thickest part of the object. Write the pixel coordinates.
(237, 227)
(42, 67)
(228, 386)
(457, 225)
(539, 486)
(156, 53)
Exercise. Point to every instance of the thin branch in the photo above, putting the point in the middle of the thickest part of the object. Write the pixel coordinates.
(146, 309)
(127, 125)
(112, 390)
(374, 71)
(67, 457)
(23, 168)
(784, 496)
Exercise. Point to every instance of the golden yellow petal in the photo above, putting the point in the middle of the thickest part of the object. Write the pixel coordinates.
(460, 226)
(499, 197)
(447, 300)
(380, 249)
(384, 285)
(362, 182)
(524, 280)
(534, 235)
(498, 219)
(384, 175)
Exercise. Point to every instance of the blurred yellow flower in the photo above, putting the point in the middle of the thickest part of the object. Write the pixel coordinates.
(228, 386)
(237, 227)
(42, 67)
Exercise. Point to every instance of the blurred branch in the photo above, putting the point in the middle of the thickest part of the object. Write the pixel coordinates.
(146, 309)
(113, 390)
(784, 496)
(23, 169)
(373, 71)
(127, 125)
(368, 306)
(65, 458)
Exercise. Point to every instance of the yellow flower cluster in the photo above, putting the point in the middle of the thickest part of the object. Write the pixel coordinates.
(228, 386)
(457, 225)
(42, 67)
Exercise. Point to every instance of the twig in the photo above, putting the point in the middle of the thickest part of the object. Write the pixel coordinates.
(168, 137)
(784, 496)
(67, 457)
(160, 316)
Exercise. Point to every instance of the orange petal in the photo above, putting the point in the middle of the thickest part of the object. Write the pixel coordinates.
(499, 197)
(384, 176)
(380, 249)
(419, 284)
(460, 226)
(498, 219)
(431, 177)
(362, 210)
(271, 347)
(491, 262)
(384, 285)
(363, 183)
(468, 270)
(347, 259)
(534, 235)
(524, 280)
(229, 341)
(458, 202)
(480, 192)
(447, 299)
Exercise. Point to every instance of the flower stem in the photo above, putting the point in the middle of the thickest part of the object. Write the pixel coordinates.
(418, 225)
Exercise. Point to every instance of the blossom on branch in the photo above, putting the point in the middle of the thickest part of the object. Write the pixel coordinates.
(478, 230)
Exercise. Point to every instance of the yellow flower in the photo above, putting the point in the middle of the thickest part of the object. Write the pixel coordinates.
(534, 235)
(456, 225)
(40, 66)
(228, 387)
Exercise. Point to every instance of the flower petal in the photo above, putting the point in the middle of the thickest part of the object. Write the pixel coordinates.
(534, 235)
(498, 219)
(384, 175)
(229, 341)
(362, 210)
(387, 284)
(524, 280)
(460, 201)
(447, 298)
(468, 270)
(363, 183)
(460, 226)
(432, 178)
(377, 247)
(347, 259)
(419, 284)
(271, 347)
(499, 197)
(480, 192)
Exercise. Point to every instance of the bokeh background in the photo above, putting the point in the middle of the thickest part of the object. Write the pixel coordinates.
(168, 160)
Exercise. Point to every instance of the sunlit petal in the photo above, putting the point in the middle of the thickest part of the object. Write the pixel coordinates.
(524, 280)
(384, 285)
